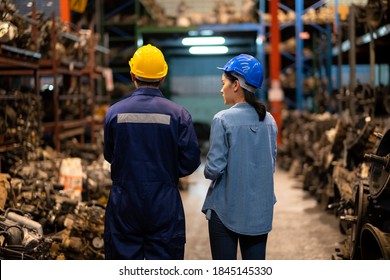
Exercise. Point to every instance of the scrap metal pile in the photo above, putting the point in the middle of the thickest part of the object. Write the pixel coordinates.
(20, 125)
(343, 160)
(40, 219)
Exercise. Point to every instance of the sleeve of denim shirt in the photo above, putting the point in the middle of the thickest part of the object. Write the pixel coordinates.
(274, 144)
(216, 160)
(275, 151)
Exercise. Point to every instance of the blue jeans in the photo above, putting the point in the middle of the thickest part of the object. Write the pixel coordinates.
(223, 242)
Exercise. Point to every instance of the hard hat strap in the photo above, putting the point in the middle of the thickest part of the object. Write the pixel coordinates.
(243, 83)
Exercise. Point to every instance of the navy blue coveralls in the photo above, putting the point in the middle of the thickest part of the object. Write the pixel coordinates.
(150, 142)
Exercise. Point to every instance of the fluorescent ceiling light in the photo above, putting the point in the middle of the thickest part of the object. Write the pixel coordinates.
(193, 33)
(206, 32)
(209, 50)
(203, 41)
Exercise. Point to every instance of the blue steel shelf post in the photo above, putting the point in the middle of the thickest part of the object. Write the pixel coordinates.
(299, 52)
(329, 58)
(299, 59)
(338, 34)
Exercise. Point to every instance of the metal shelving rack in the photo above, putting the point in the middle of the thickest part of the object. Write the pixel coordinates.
(119, 22)
(55, 67)
(335, 51)
(75, 69)
(19, 62)
(300, 66)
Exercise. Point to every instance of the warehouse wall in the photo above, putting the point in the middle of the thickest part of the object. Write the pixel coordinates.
(202, 109)
(196, 84)
(196, 77)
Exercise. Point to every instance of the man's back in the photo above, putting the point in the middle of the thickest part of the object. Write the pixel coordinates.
(151, 135)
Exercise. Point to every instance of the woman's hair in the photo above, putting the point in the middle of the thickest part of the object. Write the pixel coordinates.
(250, 98)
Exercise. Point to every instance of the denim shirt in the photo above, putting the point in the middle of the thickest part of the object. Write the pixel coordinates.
(241, 164)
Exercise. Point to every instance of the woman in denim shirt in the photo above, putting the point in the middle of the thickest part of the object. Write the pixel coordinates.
(241, 162)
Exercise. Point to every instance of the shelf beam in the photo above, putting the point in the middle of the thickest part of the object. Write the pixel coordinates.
(117, 10)
(364, 39)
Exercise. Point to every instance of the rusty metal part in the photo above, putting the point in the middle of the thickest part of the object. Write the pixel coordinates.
(357, 220)
(380, 168)
(4, 187)
(375, 243)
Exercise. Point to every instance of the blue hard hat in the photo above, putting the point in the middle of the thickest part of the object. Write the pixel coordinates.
(248, 67)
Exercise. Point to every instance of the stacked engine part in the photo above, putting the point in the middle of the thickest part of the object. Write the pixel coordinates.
(366, 215)
(342, 159)
(41, 220)
(20, 124)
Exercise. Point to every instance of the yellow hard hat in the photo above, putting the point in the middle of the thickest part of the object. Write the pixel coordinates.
(148, 62)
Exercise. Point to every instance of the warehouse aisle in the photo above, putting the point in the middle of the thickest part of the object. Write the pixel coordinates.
(301, 229)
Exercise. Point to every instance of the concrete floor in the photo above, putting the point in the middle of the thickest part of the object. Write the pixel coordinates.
(302, 230)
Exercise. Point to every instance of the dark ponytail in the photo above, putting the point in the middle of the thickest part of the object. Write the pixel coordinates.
(250, 98)
(255, 103)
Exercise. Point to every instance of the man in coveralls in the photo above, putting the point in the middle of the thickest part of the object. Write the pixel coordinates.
(150, 143)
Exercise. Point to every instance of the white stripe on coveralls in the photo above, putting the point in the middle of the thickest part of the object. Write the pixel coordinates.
(144, 118)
